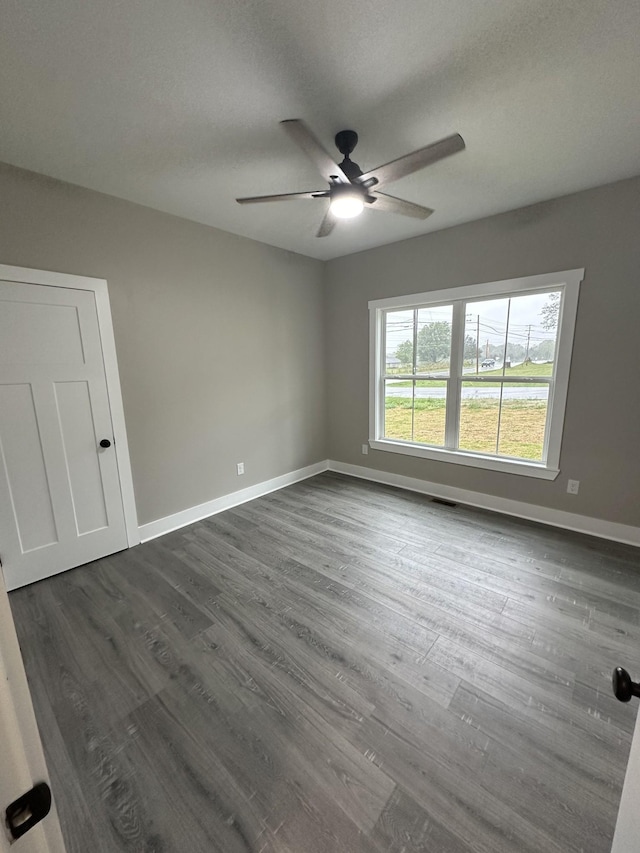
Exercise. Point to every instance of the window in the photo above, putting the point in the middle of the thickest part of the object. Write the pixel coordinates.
(475, 375)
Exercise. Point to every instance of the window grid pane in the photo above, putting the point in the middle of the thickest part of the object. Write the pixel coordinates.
(503, 420)
(479, 418)
(522, 433)
(512, 335)
(415, 411)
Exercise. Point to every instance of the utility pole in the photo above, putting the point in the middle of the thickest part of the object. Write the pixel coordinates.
(486, 352)
(478, 343)
(526, 355)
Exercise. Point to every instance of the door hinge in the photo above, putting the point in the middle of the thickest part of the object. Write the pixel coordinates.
(28, 810)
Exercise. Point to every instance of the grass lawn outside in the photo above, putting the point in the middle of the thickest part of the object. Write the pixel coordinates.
(529, 369)
(522, 424)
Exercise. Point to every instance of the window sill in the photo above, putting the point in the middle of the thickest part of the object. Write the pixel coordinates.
(474, 460)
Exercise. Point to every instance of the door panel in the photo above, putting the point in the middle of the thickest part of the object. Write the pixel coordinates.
(60, 496)
(24, 468)
(39, 333)
(77, 428)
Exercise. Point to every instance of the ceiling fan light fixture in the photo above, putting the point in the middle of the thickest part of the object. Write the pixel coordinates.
(347, 203)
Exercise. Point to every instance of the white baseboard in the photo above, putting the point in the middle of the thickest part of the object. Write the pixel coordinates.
(196, 513)
(531, 512)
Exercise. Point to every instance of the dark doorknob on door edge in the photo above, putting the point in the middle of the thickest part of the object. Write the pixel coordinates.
(623, 688)
(105, 443)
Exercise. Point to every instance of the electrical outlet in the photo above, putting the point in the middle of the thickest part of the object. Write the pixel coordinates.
(365, 449)
(573, 486)
(240, 467)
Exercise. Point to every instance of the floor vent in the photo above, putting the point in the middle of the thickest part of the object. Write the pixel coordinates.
(443, 502)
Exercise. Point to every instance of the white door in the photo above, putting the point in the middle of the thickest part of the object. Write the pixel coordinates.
(60, 497)
(627, 834)
(22, 765)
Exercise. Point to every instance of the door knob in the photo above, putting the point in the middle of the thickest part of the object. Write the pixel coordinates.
(623, 687)
(105, 443)
(28, 810)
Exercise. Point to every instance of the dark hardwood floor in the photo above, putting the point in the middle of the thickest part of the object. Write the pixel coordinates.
(339, 667)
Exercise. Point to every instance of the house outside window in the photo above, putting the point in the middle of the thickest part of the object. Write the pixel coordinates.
(475, 375)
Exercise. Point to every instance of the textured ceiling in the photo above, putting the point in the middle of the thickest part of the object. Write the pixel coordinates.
(175, 104)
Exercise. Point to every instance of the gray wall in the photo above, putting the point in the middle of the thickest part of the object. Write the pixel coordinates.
(598, 230)
(222, 355)
(219, 338)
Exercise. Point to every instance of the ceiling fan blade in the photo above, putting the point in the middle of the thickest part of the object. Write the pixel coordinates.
(390, 204)
(283, 197)
(301, 134)
(410, 163)
(327, 225)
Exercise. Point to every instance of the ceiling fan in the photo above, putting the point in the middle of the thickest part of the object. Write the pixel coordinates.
(350, 189)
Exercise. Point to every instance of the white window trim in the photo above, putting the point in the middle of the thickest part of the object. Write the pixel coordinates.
(568, 281)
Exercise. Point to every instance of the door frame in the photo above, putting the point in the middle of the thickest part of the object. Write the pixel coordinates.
(24, 275)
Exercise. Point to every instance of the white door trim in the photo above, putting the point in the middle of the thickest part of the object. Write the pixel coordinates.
(99, 287)
(24, 761)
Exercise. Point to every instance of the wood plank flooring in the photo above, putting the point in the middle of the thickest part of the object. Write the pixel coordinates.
(338, 667)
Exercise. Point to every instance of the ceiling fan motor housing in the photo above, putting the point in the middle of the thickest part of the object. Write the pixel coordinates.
(346, 141)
